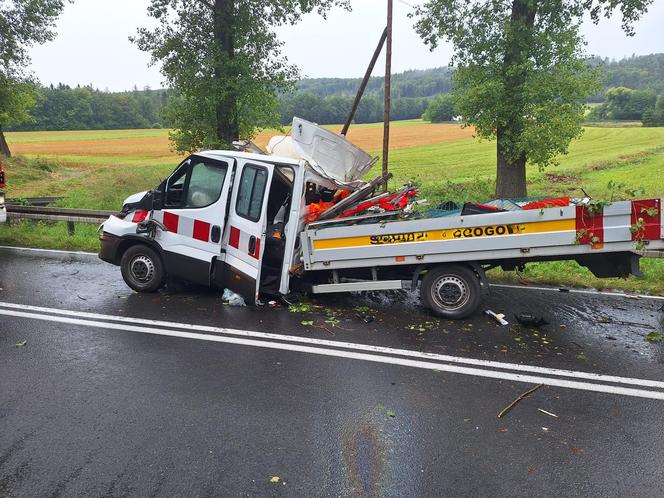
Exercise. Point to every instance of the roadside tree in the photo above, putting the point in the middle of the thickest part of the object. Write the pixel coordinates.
(224, 62)
(521, 74)
(440, 109)
(23, 23)
(655, 116)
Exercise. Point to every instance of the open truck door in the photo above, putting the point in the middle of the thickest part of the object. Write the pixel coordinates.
(244, 236)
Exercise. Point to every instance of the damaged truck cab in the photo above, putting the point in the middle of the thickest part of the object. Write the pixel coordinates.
(208, 223)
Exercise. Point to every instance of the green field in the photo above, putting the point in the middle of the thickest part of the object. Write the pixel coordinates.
(98, 169)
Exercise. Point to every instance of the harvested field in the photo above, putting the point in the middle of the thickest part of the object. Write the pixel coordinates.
(155, 144)
(370, 138)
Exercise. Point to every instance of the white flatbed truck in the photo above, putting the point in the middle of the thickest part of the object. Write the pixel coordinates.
(237, 220)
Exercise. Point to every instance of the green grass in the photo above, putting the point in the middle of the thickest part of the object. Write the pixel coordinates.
(570, 274)
(458, 170)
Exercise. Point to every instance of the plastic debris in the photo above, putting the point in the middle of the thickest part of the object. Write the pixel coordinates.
(530, 319)
(232, 298)
(499, 317)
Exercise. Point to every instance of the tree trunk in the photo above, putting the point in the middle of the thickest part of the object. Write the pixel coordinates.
(510, 174)
(511, 163)
(226, 108)
(4, 146)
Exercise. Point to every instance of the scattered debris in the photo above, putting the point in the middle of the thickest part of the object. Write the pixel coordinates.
(654, 337)
(545, 429)
(366, 318)
(300, 308)
(275, 479)
(522, 396)
(391, 413)
(81, 297)
(422, 327)
(307, 322)
(20, 344)
(272, 304)
(232, 298)
(499, 317)
(530, 319)
(502, 429)
(547, 413)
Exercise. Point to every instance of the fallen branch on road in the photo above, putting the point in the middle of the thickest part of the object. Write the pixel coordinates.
(522, 396)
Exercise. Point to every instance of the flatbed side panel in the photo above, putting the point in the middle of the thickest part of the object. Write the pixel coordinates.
(512, 234)
(448, 222)
(562, 252)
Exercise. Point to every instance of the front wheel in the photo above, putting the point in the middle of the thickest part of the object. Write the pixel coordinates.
(142, 268)
(451, 291)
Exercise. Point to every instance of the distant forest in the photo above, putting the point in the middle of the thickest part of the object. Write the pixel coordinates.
(323, 100)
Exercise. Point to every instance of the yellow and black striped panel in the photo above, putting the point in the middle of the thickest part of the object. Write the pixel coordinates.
(447, 234)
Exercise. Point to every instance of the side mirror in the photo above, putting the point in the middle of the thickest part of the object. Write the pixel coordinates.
(158, 196)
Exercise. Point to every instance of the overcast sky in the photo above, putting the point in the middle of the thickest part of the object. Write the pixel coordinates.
(92, 45)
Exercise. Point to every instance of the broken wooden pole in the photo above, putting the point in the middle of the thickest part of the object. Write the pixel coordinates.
(363, 84)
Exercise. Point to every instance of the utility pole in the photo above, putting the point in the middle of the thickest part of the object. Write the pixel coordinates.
(388, 98)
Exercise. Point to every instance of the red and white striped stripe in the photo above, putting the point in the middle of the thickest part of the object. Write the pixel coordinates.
(182, 225)
(619, 222)
(240, 240)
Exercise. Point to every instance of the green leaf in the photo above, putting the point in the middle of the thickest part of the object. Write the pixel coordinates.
(307, 322)
(391, 414)
(654, 337)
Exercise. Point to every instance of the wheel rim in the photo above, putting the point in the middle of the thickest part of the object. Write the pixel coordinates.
(141, 268)
(450, 292)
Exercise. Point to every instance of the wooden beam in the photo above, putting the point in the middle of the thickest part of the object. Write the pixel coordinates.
(365, 80)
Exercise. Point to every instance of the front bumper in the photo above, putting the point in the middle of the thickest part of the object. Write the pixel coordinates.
(109, 250)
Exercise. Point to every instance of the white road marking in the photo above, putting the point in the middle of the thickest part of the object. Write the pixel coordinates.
(347, 345)
(43, 251)
(445, 367)
(579, 291)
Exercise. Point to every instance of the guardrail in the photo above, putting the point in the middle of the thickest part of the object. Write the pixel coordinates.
(68, 215)
(33, 201)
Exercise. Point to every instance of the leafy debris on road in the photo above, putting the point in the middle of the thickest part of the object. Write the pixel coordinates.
(654, 337)
(391, 413)
(307, 322)
(547, 413)
(20, 344)
(300, 308)
(521, 397)
(422, 327)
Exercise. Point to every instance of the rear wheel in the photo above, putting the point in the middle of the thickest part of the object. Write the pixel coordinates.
(451, 291)
(142, 268)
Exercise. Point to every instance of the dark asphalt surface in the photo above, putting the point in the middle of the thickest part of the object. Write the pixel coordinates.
(87, 411)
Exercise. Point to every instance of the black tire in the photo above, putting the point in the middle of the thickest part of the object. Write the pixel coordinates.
(451, 291)
(142, 269)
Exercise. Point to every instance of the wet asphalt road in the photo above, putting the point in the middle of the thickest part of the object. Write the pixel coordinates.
(92, 410)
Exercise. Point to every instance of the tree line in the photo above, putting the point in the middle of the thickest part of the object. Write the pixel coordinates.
(328, 100)
(85, 108)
